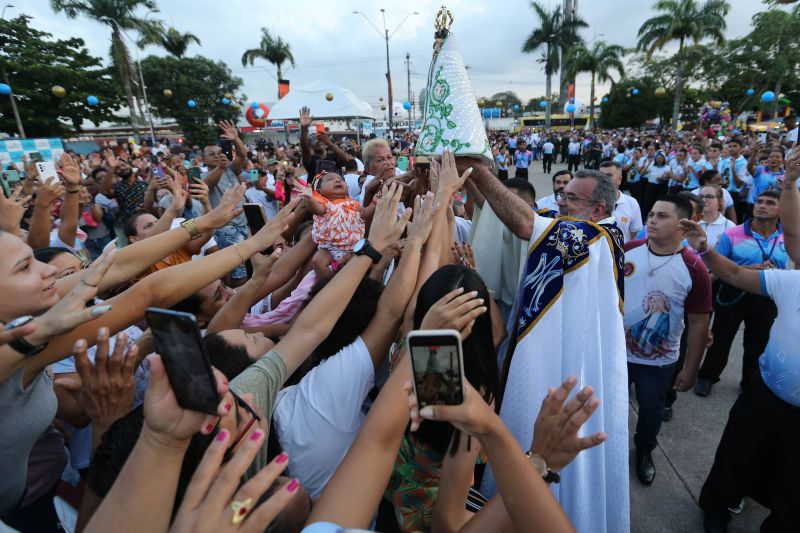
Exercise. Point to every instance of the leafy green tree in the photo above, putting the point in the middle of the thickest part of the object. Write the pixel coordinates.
(192, 78)
(120, 16)
(271, 48)
(599, 61)
(624, 109)
(35, 62)
(173, 41)
(553, 33)
(682, 21)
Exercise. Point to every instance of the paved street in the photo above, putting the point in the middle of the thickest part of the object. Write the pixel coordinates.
(686, 446)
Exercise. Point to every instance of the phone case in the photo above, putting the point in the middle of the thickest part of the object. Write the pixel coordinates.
(418, 335)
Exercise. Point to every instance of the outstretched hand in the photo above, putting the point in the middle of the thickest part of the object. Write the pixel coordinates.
(455, 310)
(305, 117)
(386, 227)
(229, 132)
(555, 432)
(694, 234)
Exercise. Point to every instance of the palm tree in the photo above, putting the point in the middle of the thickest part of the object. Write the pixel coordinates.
(173, 41)
(119, 15)
(553, 32)
(682, 21)
(571, 39)
(599, 61)
(271, 48)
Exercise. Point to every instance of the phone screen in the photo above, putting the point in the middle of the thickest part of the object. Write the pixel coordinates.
(402, 163)
(177, 339)
(436, 363)
(254, 216)
(154, 159)
(46, 170)
(227, 148)
(324, 165)
(35, 156)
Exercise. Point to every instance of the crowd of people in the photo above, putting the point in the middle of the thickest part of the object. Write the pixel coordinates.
(304, 324)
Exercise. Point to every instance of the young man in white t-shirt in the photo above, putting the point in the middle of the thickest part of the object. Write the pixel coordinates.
(560, 180)
(547, 156)
(663, 280)
(627, 212)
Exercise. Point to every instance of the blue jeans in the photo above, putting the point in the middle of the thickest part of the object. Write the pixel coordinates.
(228, 236)
(651, 394)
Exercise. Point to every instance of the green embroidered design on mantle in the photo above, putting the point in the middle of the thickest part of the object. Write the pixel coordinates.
(437, 118)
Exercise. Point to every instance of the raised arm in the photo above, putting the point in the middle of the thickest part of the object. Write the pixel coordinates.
(164, 222)
(725, 269)
(70, 209)
(229, 133)
(107, 187)
(510, 209)
(316, 321)
(383, 327)
(44, 205)
(789, 208)
(305, 147)
(138, 257)
(341, 156)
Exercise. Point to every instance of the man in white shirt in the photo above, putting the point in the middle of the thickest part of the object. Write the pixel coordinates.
(626, 210)
(262, 192)
(547, 156)
(352, 178)
(560, 180)
(573, 155)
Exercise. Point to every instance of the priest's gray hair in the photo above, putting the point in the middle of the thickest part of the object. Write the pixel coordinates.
(368, 152)
(605, 191)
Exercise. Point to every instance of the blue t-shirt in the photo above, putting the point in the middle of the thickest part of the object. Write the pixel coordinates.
(765, 179)
(780, 362)
(744, 247)
(697, 168)
(724, 168)
(523, 159)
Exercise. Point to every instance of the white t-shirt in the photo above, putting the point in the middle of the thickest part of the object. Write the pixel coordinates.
(574, 148)
(628, 216)
(654, 305)
(548, 202)
(715, 229)
(547, 148)
(256, 196)
(317, 420)
(353, 188)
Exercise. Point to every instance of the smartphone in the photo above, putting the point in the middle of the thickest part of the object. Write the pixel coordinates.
(194, 174)
(35, 156)
(254, 175)
(437, 363)
(227, 148)
(402, 163)
(158, 172)
(325, 166)
(186, 164)
(178, 340)
(762, 138)
(10, 180)
(255, 217)
(46, 170)
(320, 127)
(154, 159)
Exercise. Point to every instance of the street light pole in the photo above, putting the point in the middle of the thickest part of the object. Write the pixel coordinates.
(385, 34)
(11, 96)
(408, 73)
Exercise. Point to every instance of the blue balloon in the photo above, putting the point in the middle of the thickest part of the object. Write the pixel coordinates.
(5, 89)
(406, 105)
(751, 92)
(254, 105)
(92, 100)
(542, 104)
(570, 108)
(605, 99)
(572, 100)
(768, 97)
(225, 101)
(191, 103)
(635, 90)
(516, 106)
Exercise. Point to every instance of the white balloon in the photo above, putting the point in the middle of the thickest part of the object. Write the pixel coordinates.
(259, 113)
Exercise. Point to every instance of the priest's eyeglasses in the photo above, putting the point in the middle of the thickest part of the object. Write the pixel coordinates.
(572, 197)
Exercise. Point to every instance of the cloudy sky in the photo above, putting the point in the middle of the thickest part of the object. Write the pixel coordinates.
(329, 42)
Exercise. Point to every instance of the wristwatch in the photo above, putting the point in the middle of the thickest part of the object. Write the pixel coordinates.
(541, 467)
(191, 227)
(25, 348)
(363, 247)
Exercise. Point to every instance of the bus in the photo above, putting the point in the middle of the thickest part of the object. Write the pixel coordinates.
(557, 122)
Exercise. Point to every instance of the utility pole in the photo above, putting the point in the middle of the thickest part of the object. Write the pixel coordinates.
(12, 97)
(410, 101)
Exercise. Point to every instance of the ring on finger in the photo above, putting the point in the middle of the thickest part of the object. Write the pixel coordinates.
(240, 509)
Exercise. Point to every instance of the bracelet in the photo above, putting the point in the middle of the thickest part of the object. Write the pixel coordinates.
(74, 191)
(191, 228)
(704, 252)
(241, 257)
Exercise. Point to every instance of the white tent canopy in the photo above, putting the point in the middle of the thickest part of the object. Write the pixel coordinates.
(345, 103)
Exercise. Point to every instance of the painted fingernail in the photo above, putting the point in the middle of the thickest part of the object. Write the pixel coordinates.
(292, 485)
(256, 434)
(282, 458)
(480, 300)
(227, 407)
(80, 344)
(100, 310)
(426, 412)
(208, 428)
(222, 435)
